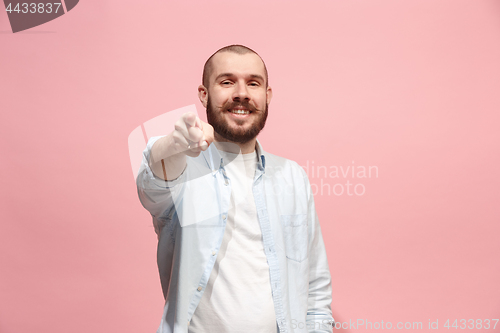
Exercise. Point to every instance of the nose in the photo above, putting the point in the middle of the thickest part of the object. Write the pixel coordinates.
(241, 92)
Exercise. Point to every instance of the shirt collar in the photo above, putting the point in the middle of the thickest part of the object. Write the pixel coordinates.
(215, 161)
(261, 154)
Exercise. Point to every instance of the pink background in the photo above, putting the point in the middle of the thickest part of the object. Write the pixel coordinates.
(410, 87)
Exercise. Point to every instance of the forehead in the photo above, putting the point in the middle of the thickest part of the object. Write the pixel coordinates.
(237, 64)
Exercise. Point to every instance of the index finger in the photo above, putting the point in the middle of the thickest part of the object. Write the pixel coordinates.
(190, 118)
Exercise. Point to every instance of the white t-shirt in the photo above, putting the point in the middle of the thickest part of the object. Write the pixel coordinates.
(238, 294)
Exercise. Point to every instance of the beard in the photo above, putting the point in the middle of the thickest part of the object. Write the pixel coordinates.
(238, 135)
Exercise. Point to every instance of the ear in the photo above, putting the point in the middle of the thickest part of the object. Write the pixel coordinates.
(203, 95)
(269, 94)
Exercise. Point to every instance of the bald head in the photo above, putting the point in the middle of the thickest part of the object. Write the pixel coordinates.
(238, 49)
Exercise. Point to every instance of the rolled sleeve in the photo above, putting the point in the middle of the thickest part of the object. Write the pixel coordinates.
(157, 195)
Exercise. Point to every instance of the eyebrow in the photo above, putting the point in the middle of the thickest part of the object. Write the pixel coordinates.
(253, 76)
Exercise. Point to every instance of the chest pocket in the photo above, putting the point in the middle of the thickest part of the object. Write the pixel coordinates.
(295, 236)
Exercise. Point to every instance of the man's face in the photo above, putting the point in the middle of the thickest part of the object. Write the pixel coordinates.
(237, 99)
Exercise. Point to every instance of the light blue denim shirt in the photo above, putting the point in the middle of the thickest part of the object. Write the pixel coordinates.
(190, 214)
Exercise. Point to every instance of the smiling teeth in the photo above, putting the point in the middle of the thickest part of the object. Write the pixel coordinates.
(240, 111)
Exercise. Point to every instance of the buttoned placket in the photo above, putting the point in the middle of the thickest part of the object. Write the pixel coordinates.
(268, 242)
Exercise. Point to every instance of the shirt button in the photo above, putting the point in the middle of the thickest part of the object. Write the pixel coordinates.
(199, 288)
(226, 182)
(188, 322)
(223, 216)
(213, 253)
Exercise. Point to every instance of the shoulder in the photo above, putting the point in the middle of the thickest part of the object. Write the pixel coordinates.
(277, 165)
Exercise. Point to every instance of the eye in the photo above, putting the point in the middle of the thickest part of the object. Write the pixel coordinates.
(254, 84)
(225, 83)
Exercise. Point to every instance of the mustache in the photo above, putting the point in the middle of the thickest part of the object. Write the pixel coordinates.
(244, 104)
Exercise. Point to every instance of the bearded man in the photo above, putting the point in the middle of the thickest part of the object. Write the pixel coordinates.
(240, 247)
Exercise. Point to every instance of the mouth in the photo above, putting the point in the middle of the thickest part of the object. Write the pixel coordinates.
(239, 112)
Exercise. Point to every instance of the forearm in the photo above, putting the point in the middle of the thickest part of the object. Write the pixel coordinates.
(165, 161)
(156, 194)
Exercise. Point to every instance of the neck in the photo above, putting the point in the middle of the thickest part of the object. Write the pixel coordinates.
(234, 147)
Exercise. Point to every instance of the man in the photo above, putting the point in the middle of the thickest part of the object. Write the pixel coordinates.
(240, 247)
